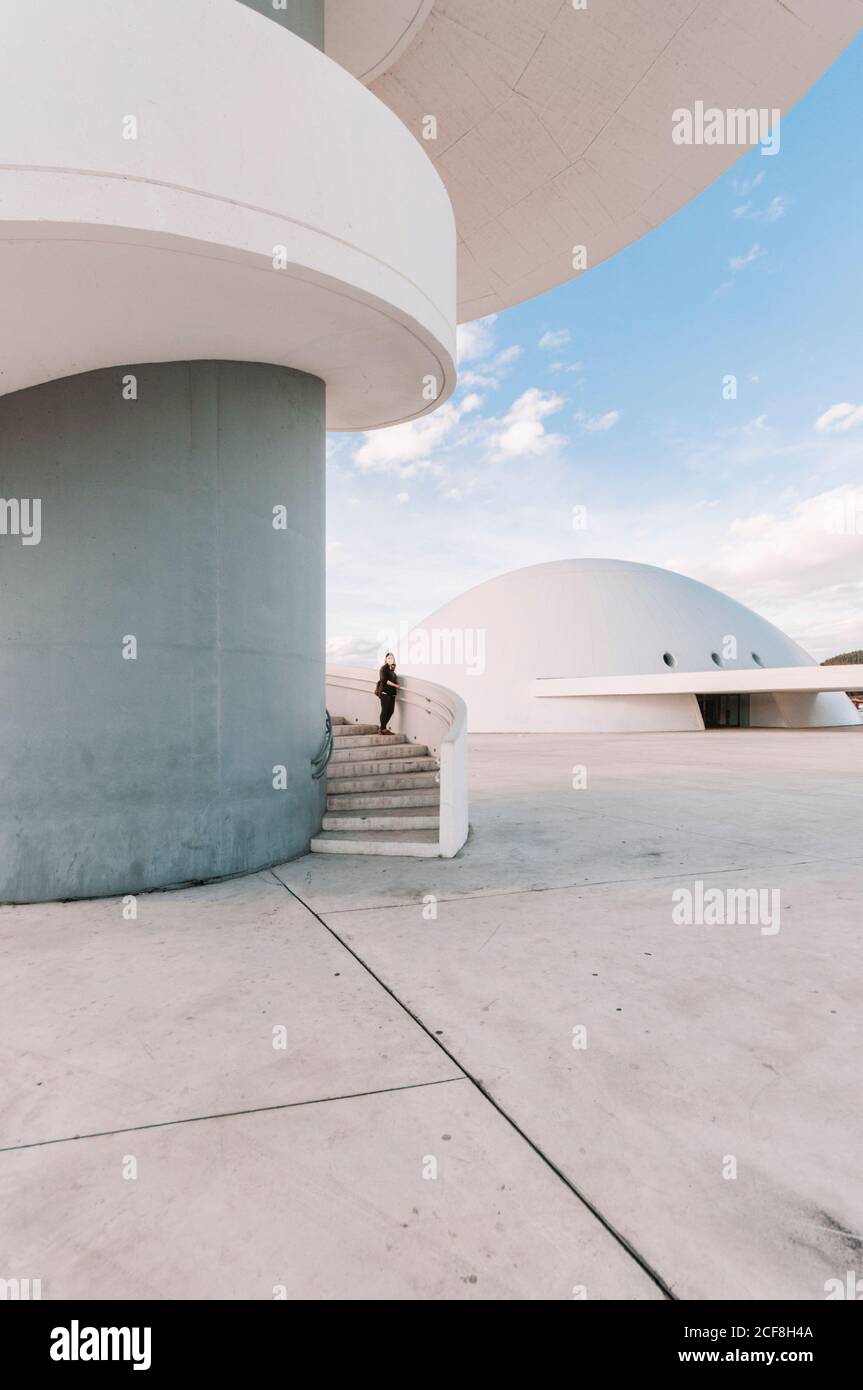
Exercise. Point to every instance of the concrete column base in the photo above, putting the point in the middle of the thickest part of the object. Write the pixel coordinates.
(162, 639)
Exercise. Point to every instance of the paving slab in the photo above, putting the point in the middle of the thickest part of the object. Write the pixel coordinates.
(705, 1047)
(114, 1023)
(653, 804)
(325, 1201)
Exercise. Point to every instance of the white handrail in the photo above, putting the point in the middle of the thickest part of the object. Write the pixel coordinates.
(426, 713)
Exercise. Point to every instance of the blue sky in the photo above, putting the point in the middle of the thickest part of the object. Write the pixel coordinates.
(607, 395)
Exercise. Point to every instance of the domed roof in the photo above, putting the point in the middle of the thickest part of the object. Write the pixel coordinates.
(593, 617)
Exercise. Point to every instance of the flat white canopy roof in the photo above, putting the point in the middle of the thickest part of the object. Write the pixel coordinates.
(713, 682)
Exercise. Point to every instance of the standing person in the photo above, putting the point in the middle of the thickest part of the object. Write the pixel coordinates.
(386, 689)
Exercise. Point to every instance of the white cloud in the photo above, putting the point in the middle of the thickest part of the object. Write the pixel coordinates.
(487, 378)
(753, 254)
(566, 366)
(475, 340)
(730, 519)
(556, 338)
(507, 356)
(843, 416)
(597, 423)
(776, 208)
(350, 651)
(481, 379)
(522, 431)
(404, 449)
(403, 497)
(820, 535)
(743, 187)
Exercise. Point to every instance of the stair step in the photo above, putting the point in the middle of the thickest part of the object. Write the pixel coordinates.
(378, 767)
(396, 818)
(418, 844)
(348, 741)
(356, 801)
(389, 782)
(338, 719)
(347, 730)
(387, 748)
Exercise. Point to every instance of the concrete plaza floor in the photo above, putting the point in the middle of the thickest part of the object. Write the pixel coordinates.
(357, 1078)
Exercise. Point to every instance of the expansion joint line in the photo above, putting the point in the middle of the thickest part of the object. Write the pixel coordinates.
(612, 1230)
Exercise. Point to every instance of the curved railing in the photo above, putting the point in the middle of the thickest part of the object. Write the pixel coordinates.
(425, 713)
(320, 761)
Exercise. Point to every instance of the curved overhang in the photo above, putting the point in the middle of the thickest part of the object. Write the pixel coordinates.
(186, 181)
(369, 36)
(554, 123)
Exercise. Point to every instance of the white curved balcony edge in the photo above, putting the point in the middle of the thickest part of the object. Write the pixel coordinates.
(250, 145)
(427, 713)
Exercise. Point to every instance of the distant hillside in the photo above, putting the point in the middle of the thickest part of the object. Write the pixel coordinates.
(848, 659)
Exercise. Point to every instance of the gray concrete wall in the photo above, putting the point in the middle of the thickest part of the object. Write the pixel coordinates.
(157, 522)
(303, 17)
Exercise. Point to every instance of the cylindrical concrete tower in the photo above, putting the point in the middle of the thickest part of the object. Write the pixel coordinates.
(215, 243)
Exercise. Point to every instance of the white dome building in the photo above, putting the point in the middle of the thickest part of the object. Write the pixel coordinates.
(611, 646)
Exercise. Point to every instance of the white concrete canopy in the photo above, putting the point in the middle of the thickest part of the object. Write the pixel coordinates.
(743, 681)
(193, 182)
(554, 122)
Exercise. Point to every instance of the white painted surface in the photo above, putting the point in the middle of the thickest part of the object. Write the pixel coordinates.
(554, 124)
(615, 714)
(248, 139)
(427, 713)
(740, 679)
(799, 710)
(575, 644)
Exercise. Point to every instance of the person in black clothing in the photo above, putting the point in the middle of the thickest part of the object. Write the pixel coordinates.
(387, 688)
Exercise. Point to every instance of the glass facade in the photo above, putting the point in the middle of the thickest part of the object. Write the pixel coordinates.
(724, 711)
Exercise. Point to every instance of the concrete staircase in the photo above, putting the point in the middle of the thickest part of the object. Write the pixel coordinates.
(383, 795)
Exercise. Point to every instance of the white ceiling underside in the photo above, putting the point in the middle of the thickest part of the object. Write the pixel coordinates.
(554, 124)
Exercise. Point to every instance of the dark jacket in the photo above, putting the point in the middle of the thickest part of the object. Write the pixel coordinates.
(389, 683)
